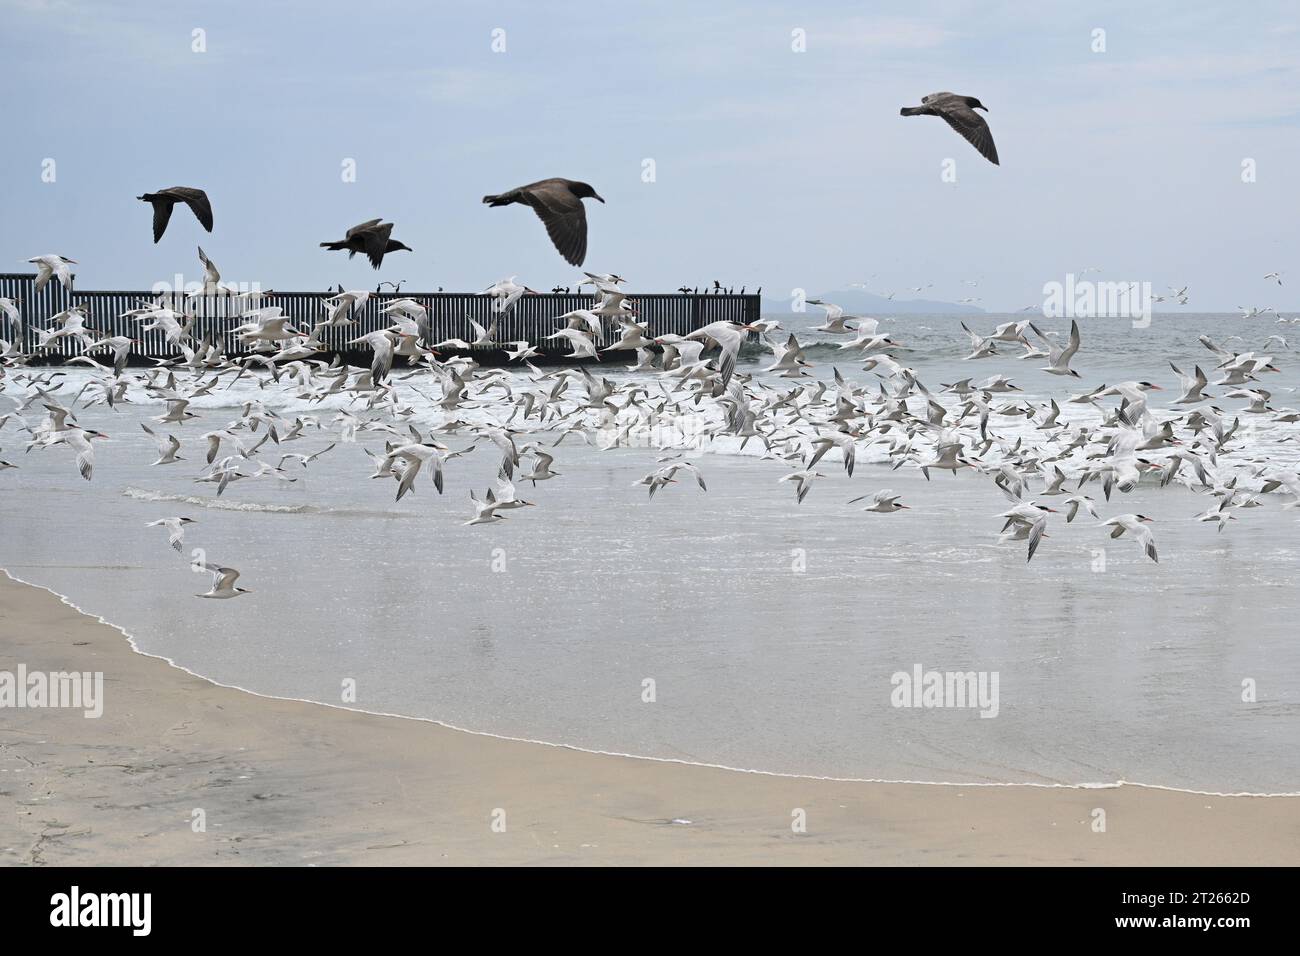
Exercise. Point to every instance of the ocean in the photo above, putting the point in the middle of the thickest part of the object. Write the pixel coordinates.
(731, 627)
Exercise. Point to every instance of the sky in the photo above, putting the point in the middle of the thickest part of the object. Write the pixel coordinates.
(772, 166)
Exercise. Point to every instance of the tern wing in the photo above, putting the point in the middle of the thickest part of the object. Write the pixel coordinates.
(1068, 352)
(1148, 543)
(1036, 535)
(224, 578)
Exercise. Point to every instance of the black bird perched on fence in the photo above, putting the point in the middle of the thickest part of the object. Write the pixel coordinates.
(959, 113)
(371, 238)
(164, 199)
(558, 204)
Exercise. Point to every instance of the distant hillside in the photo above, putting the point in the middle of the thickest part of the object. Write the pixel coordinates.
(862, 302)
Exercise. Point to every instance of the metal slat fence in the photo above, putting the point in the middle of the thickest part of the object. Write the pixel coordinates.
(530, 319)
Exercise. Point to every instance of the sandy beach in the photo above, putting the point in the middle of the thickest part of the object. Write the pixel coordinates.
(285, 782)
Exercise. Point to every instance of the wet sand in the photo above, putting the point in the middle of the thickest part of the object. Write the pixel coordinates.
(285, 782)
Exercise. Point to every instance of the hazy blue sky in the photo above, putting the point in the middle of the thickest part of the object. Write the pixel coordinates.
(774, 168)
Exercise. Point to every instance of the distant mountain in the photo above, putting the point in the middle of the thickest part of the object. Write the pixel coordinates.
(862, 302)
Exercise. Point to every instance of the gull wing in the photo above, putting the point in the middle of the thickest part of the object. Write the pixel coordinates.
(162, 214)
(376, 241)
(973, 129)
(565, 219)
(198, 202)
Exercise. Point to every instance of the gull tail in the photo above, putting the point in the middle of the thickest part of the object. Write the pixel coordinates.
(912, 111)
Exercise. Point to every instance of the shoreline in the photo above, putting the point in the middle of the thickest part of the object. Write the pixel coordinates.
(295, 782)
(1092, 785)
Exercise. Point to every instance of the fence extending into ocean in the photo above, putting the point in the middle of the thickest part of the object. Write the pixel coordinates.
(530, 319)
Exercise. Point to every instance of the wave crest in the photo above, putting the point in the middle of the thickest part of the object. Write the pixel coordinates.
(217, 504)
